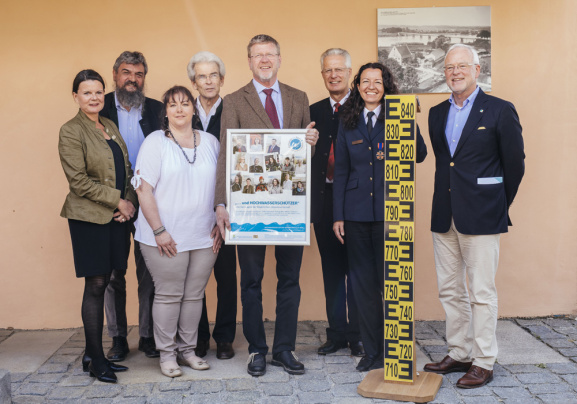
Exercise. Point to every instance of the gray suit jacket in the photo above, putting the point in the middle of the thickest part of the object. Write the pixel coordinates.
(243, 110)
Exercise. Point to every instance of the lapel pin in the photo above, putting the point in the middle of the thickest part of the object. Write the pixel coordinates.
(481, 111)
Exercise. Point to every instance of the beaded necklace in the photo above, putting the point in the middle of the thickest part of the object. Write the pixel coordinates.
(181, 149)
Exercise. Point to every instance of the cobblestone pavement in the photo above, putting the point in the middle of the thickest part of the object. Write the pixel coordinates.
(329, 379)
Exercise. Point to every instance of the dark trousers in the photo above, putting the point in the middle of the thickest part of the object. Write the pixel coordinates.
(335, 266)
(288, 296)
(115, 299)
(365, 243)
(225, 276)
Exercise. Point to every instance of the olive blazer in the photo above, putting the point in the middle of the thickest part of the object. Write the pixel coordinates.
(88, 164)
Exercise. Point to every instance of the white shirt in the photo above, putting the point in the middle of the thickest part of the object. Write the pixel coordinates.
(184, 192)
(333, 102)
(377, 111)
(204, 118)
(288, 185)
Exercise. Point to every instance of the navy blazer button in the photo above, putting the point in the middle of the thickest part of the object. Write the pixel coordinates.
(371, 194)
(370, 148)
(452, 164)
(449, 189)
(371, 178)
(371, 163)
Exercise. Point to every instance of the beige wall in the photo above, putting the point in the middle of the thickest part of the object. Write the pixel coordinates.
(43, 44)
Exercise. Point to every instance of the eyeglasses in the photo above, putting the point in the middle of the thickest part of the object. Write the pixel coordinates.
(338, 71)
(259, 56)
(460, 66)
(203, 78)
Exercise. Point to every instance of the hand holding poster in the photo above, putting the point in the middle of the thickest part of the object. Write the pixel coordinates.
(269, 179)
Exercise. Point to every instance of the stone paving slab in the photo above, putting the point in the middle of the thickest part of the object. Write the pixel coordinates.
(26, 351)
(517, 346)
(518, 379)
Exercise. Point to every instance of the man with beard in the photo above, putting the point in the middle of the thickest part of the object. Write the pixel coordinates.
(136, 117)
(206, 73)
(264, 103)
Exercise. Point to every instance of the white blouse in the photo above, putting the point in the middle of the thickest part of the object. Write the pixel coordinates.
(184, 192)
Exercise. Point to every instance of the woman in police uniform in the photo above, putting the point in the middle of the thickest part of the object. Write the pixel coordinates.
(358, 197)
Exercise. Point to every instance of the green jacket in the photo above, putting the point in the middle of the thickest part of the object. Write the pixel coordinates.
(88, 164)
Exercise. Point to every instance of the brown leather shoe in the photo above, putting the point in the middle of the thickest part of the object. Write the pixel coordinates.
(475, 377)
(447, 365)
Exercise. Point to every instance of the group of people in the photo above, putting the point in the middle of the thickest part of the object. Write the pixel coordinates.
(174, 204)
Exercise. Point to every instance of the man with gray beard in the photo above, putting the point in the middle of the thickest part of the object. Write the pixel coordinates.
(136, 117)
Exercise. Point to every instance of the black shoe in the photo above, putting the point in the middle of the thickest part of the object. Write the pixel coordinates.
(113, 366)
(330, 347)
(256, 365)
(119, 349)
(370, 362)
(105, 375)
(224, 350)
(202, 347)
(289, 361)
(148, 346)
(357, 348)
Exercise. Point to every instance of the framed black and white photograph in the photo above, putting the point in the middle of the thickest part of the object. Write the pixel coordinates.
(268, 198)
(413, 42)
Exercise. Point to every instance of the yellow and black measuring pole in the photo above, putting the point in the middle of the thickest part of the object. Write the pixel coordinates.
(401, 380)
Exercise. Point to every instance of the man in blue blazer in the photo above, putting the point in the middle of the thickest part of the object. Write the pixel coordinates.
(479, 165)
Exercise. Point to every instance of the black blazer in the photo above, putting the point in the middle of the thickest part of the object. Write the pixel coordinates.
(359, 181)
(150, 113)
(490, 148)
(328, 125)
(213, 123)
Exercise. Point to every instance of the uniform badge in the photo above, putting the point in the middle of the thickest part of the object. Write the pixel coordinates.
(380, 153)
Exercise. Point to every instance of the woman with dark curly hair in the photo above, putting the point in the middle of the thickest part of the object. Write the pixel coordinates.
(358, 199)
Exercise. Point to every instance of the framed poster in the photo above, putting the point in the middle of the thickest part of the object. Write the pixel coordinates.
(413, 42)
(268, 193)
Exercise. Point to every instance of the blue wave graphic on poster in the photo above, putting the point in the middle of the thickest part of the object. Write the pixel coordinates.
(261, 227)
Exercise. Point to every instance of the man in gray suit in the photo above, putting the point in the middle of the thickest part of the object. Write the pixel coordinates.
(264, 103)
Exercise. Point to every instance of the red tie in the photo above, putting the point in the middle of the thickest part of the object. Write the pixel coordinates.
(331, 164)
(271, 109)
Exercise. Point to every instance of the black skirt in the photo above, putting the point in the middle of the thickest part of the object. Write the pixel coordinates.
(99, 248)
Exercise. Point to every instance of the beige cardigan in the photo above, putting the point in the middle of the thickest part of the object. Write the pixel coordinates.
(88, 164)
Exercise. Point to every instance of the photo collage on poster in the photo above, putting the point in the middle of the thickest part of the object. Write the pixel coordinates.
(266, 164)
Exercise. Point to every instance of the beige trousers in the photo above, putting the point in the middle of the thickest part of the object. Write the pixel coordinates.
(471, 312)
(179, 284)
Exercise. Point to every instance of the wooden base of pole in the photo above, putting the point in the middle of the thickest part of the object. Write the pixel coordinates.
(423, 390)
